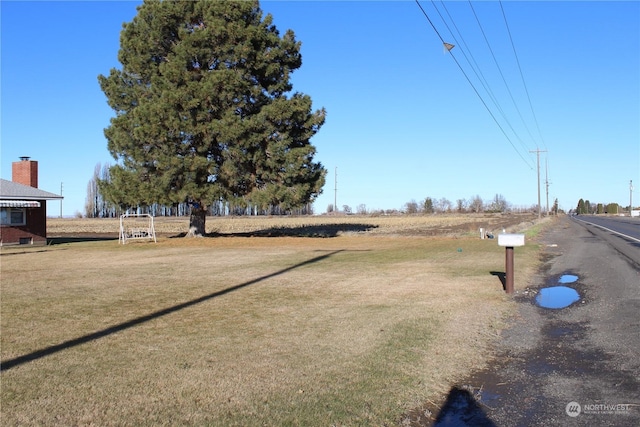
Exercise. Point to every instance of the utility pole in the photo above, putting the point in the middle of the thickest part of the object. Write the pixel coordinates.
(546, 182)
(335, 192)
(61, 200)
(538, 151)
(630, 197)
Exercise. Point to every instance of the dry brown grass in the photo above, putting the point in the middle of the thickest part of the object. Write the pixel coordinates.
(352, 330)
(441, 225)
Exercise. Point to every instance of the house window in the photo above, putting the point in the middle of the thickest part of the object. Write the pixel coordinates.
(13, 216)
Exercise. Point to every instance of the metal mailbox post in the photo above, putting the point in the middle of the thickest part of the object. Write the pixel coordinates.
(509, 241)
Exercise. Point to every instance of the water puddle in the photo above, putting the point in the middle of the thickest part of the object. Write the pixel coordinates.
(557, 297)
(568, 278)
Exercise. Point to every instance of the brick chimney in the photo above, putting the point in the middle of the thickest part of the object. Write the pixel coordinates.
(25, 172)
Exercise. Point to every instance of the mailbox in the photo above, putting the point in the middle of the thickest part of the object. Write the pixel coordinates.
(510, 240)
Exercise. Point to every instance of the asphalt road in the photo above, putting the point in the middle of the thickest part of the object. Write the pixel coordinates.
(622, 225)
(575, 366)
(623, 233)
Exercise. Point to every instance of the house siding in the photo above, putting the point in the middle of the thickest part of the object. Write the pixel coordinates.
(33, 232)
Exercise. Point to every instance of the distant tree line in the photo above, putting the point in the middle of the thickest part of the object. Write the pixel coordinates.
(98, 206)
(474, 204)
(430, 205)
(585, 207)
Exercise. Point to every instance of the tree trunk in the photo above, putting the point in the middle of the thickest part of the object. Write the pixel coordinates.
(197, 221)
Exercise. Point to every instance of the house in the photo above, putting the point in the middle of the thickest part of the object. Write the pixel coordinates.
(23, 207)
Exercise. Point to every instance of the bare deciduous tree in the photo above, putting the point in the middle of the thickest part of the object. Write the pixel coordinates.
(444, 205)
(96, 206)
(411, 207)
(499, 204)
(476, 205)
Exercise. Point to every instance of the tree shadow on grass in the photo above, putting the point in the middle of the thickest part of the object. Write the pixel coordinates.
(54, 241)
(76, 239)
(318, 231)
(47, 351)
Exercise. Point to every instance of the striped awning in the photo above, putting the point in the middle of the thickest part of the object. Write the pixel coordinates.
(19, 204)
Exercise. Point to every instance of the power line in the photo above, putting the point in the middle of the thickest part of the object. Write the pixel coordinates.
(432, 26)
(474, 88)
(535, 118)
(472, 63)
(504, 80)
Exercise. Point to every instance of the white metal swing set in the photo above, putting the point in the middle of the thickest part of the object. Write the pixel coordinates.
(136, 227)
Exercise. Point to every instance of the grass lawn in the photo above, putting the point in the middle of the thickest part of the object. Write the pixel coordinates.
(351, 330)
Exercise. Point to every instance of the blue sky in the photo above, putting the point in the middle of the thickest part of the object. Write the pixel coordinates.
(404, 120)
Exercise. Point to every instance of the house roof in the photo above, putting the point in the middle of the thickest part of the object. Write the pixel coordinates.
(10, 190)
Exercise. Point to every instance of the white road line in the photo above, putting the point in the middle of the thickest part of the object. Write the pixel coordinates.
(608, 229)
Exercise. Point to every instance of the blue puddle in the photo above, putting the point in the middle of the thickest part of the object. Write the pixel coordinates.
(568, 278)
(558, 296)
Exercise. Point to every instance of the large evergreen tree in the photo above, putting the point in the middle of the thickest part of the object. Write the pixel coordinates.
(204, 110)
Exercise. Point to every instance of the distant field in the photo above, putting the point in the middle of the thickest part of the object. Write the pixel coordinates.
(247, 330)
(429, 225)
